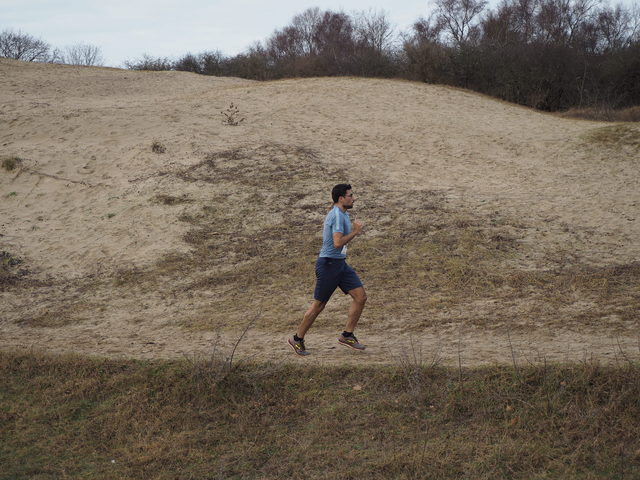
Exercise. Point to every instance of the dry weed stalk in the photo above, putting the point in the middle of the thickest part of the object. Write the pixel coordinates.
(230, 116)
(218, 366)
(415, 366)
(516, 367)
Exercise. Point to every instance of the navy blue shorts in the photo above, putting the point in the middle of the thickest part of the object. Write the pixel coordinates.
(332, 273)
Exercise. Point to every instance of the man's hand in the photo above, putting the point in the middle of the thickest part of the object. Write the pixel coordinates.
(340, 240)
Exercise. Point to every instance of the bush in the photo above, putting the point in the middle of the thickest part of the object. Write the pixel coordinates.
(149, 63)
(11, 163)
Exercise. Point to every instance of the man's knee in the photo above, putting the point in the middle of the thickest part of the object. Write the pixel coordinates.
(318, 306)
(359, 295)
(363, 298)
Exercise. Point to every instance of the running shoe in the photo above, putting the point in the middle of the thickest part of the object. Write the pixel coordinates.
(351, 342)
(298, 346)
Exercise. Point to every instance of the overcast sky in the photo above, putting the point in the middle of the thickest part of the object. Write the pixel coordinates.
(126, 29)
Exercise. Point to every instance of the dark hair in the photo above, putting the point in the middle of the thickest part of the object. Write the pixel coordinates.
(339, 190)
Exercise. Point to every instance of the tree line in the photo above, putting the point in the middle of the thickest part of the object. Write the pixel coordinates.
(548, 54)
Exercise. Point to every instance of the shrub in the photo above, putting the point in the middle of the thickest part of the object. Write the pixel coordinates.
(11, 163)
(230, 116)
(157, 147)
(149, 63)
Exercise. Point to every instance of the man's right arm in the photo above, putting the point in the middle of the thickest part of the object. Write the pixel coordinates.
(340, 239)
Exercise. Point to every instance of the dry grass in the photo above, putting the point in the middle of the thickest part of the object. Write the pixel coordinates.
(172, 199)
(71, 311)
(606, 114)
(616, 136)
(254, 237)
(72, 417)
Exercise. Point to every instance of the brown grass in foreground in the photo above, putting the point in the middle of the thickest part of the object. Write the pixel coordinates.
(74, 417)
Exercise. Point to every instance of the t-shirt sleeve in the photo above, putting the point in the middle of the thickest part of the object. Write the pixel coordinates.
(338, 224)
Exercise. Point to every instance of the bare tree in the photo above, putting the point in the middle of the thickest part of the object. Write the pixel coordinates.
(635, 22)
(523, 18)
(560, 20)
(306, 24)
(83, 54)
(614, 25)
(373, 30)
(459, 18)
(334, 40)
(22, 46)
(285, 44)
(426, 30)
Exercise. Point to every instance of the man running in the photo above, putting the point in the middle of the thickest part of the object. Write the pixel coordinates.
(332, 271)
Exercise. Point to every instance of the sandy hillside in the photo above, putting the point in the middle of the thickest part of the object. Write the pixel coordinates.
(492, 231)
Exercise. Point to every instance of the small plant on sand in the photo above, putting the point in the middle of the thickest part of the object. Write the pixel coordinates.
(157, 147)
(219, 365)
(11, 163)
(231, 116)
(9, 269)
(8, 260)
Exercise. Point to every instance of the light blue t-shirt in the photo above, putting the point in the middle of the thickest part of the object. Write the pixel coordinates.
(336, 221)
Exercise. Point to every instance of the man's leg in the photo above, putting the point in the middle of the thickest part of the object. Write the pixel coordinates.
(309, 317)
(359, 297)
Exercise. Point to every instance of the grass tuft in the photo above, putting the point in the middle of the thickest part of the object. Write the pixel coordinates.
(157, 147)
(11, 163)
(10, 271)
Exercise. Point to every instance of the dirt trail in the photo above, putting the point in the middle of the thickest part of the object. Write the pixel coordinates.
(468, 348)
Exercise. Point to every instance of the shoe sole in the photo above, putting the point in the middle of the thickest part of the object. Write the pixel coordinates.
(296, 351)
(352, 347)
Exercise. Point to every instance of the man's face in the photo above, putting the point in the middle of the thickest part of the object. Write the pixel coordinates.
(348, 200)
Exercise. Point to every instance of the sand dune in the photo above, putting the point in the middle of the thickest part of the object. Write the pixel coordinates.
(85, 205)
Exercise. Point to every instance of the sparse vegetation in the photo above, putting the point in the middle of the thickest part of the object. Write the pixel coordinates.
(616, 136)
(10, 163)
(157, 147)
(605, 114)
(10, 273)
(172, 199)
(231, 116)
(94, 418)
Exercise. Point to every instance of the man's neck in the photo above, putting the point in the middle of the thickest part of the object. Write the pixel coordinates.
(341, 207)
